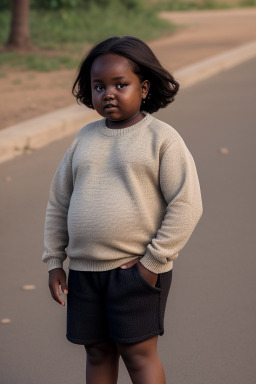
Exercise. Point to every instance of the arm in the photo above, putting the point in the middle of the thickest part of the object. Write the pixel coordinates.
(56, 233)
(180, 187)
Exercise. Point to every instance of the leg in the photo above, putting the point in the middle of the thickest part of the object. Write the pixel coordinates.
(142, 362)
(102, 363)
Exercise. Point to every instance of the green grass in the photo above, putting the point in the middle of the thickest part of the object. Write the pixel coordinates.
(17, 81)
(193, 5)
(55, 29)
(184, 5)
(248, 3)
(36, 62)
(70, 31)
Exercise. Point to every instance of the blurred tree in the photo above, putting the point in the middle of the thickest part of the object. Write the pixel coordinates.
(19, 37)
(5, 4)
(57, 4)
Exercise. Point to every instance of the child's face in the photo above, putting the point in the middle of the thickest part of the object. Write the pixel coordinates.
(117, 91)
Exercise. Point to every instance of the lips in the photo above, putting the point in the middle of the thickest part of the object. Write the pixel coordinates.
(110, 107)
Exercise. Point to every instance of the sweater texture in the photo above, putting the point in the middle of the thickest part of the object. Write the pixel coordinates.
(122, 194)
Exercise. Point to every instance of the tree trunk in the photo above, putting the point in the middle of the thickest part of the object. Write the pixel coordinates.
(19, 37)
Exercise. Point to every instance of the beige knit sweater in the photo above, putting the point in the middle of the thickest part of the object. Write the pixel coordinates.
(122, 194)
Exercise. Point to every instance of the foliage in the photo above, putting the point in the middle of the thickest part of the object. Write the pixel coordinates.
(248, 3)
(67, 32)
(5, 4)
(71, 4)
(55, 4)
(173, 5)
(55, 29)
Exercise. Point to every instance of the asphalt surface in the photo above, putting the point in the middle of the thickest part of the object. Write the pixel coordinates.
(210, 320)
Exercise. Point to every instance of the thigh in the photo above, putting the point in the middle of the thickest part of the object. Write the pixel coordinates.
(86, 315)
(135, 309)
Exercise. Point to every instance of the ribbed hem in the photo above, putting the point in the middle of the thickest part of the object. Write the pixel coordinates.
(92, 265)
(149, 262)
(106, 131)
(79, 264)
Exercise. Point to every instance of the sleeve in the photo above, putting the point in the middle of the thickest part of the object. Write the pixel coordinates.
(56, 232)
(180, 187)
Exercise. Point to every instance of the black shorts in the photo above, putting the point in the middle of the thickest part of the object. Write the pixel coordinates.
(116, 305)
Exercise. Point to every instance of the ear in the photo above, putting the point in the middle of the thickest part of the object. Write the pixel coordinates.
(145, 85)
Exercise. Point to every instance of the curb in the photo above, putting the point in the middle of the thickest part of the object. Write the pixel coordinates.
(40, 131)
(210, 67)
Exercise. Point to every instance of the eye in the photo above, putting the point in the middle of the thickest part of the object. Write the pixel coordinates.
(121, 85)
(99, 88)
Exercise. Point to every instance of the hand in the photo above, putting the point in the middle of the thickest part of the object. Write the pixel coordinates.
(148, 276)
(57, 277)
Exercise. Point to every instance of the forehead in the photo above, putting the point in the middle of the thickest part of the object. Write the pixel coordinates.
(111, 64)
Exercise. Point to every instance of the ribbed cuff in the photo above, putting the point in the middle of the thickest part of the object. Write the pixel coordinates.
(153, 265)
(53, 263)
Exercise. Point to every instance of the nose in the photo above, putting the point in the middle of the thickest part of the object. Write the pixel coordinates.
(109, 93)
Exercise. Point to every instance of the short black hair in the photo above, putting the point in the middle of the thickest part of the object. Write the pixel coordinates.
(145, 64)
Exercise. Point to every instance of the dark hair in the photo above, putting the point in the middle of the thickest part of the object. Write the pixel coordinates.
(163, 87)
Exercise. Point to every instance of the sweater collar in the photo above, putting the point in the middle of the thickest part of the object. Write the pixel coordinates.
(106, 131)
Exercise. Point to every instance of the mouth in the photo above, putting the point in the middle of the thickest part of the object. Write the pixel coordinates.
(110, 107)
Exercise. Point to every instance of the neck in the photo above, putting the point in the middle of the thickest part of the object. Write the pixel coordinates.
(125, 123)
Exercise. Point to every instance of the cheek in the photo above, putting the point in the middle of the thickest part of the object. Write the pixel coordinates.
(133, 95)
(95, 98)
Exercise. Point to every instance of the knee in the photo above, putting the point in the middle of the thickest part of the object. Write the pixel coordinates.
(99, 353)
(135, 357)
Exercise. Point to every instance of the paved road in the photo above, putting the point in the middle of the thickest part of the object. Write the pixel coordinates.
(210, 323)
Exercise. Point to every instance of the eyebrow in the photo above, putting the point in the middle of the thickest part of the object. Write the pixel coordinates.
(113, 78)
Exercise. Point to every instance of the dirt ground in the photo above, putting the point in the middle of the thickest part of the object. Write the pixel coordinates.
(200, 35)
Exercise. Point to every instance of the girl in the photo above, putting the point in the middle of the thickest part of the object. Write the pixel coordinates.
(123, 202)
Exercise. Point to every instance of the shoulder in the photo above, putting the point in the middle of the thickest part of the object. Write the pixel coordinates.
(88, 128)
(86, 131)
(163, 133)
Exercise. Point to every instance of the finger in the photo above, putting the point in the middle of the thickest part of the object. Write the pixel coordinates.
(130, 264)
(55, 292)
(64, 287)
